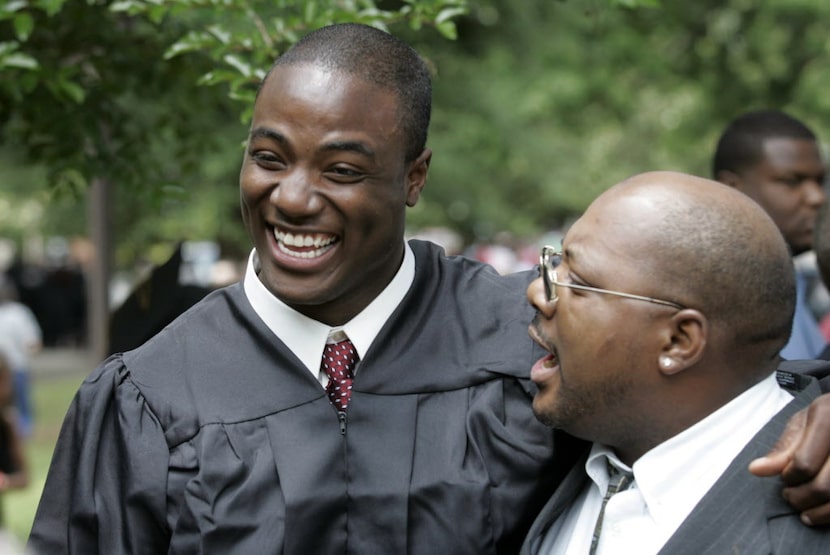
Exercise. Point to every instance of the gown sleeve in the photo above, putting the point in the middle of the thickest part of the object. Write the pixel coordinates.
(106, 487)
(516, 449)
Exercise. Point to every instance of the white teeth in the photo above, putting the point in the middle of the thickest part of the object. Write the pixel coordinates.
(302, 254)
(320, 243)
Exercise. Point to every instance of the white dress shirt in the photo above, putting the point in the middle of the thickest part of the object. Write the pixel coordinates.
(305, 337)
(669, 480)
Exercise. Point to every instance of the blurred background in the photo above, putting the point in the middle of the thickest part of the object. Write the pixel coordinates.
(122, 123)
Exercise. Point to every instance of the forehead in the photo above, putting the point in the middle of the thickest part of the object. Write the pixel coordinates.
(314, 94)
(610, 230)
(796, 155)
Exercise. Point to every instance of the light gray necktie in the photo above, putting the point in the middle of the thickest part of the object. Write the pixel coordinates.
(618, 481)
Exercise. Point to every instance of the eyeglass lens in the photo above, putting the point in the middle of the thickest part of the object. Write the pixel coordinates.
(550, 261)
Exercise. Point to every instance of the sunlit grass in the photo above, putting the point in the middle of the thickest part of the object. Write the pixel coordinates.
(51, 395)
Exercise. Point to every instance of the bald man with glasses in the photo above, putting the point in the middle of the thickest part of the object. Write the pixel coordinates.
(663, 318)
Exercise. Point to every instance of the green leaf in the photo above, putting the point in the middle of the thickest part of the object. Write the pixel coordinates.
(71, 180)
(237, 62)
(157, 13)
(19, 60)
(51, 7)
(73, 90)
(220, 33)
(129, 6)
(447, 29)
(217, 76)
(12, 7)
(310, 10)
(192, 42)
(23, 25)
(449, 13)
(416, 22)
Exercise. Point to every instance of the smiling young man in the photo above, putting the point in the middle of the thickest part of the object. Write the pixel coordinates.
(348, 158)
(245, 426)
(775, 159)
(664, 316)
(219, 435)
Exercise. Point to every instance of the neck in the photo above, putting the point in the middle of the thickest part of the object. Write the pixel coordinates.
(692, 402)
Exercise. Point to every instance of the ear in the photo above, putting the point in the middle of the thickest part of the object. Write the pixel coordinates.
(728, 177)
(684, 341)
(416, 178)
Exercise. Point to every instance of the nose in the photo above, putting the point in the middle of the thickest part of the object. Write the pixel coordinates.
(295, 195)
(538, 299)
(814, 192)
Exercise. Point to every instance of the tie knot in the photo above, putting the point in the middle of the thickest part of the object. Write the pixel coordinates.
(339, 360)
(618, 479)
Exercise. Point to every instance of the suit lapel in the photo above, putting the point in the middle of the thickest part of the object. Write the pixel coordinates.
(734, 515)
(562, 498)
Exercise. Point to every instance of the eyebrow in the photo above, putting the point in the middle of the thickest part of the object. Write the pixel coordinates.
(334, 146)
(352, 146)
(265, 133)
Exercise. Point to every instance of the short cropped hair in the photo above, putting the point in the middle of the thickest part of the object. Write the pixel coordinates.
(741, 145)
(378, 58)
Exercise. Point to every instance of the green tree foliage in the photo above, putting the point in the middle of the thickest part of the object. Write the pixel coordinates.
(539, 104)
(243, 37)
(141, 93)
(542, 105)
(88, 97)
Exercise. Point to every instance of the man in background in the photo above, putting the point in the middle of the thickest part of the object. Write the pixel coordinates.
(775, 159)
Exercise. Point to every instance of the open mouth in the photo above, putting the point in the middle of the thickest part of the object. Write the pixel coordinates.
(304, 245)
(544, 368)
(550, 360)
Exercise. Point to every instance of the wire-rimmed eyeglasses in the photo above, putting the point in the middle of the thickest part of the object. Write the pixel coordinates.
(550, 259)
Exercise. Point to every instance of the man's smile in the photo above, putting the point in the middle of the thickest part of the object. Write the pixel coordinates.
(304, 245)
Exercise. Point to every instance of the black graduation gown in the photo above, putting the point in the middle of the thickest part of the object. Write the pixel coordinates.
(213, 438)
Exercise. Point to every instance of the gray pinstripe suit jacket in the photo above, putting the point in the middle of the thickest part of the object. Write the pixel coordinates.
(741, 513)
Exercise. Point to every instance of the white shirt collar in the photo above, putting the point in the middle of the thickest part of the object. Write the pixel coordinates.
(306, 337)
(700, 454)
(596, 467)
(669, 480)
